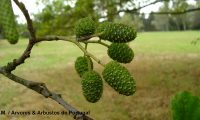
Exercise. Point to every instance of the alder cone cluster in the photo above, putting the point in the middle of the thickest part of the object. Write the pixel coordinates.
(116, 75)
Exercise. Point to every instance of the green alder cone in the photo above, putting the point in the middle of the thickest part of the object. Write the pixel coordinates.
(119, 78)
(7, 22)
(120, 52)
(84, 27)
(92, 86)
(117, 33)
(83, 64)
(185, 106)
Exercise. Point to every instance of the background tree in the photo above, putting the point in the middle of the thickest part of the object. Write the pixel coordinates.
(148, 24)
(193, 19)
(52, 17)
(180, 20)
(56, 13)
(131, 20)
(161, 22)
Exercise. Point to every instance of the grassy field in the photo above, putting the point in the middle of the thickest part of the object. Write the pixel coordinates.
(165, 63)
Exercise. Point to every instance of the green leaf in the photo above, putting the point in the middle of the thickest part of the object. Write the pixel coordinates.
(185, 106)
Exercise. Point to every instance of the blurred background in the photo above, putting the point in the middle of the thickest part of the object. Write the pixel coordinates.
(167, 57)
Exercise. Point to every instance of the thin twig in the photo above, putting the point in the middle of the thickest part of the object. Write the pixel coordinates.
(141, 7)
(43, 90)
(52, 38)
(178, 12)
(135, 10)
(86, 46)
(98, 42)
(26, 54)
(84, 38)
(89, 54)
(28, 19)
(167, 12)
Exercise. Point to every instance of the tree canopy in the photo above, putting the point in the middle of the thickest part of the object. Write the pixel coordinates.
(61, 15)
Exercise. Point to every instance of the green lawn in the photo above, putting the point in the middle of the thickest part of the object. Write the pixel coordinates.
(166, 43)
(165, 63)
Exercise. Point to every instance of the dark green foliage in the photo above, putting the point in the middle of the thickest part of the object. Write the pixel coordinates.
(92, 86)
(7, 21)
(120, 52)
(185, 106)
(83, 64)
(118, 33)
(119, 78)
(85, 27)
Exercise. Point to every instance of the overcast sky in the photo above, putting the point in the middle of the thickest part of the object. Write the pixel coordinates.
(33, 8)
